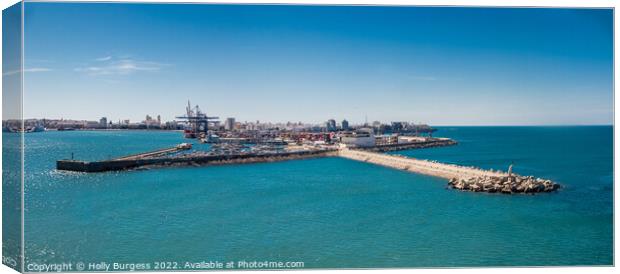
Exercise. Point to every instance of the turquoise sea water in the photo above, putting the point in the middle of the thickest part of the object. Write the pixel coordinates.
(326, 212)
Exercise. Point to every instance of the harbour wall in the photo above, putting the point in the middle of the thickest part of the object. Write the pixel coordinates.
(436, 142)
(124, 164)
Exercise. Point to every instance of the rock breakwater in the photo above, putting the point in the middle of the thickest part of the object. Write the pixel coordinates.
(460, 177)
(415, 145)
(505, 184)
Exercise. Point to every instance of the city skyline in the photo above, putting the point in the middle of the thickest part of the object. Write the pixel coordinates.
(148, 119)
(440, 66)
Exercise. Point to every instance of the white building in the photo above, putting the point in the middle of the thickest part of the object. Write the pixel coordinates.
(359, 138)
(411, 139)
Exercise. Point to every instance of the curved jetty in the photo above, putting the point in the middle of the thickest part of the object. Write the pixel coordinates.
(460, 177)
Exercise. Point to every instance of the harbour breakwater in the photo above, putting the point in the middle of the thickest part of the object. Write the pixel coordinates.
(504, 184)
(186, 160)
(460, 177)
(436, 142)
(163, 157)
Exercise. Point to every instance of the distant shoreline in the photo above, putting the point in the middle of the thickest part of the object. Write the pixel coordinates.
(114, 129)
(594, 125)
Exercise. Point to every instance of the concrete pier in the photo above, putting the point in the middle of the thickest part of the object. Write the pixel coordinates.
(441, 170)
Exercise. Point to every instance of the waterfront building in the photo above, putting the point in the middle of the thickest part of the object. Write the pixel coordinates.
(149, 122)
(91, 124)
(377, 127)
(386, 140)
(397, 126)
(103, 122)
(331, 125)
(173, 125)
(411, 139)
(239, 126)
(229, 124)
(363, 137)
(345, 124)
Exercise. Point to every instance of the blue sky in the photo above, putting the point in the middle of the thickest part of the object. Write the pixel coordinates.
(442, 66)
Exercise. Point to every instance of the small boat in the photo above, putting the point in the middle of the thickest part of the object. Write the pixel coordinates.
(37, 128)
(25, 130)
(184, 146)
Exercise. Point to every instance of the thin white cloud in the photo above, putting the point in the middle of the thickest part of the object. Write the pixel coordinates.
(125, 66)
(13, 72)
(107, 58)
(37, 70)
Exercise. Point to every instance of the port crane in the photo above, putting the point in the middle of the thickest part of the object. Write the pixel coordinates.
(197, 121)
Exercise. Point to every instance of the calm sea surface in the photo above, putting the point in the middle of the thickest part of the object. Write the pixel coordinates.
(327, 212)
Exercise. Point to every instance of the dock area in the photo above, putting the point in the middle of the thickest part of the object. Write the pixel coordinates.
(157, 153)
(219, 154)
(459, 177)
